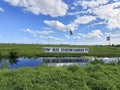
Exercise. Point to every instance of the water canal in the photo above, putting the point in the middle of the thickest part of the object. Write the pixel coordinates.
(51, 61)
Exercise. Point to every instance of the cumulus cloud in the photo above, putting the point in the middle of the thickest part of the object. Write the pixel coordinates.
(113, 33)
(73, 13)
(93, 3)
(89, 3)
(76, 37)
(110, 13)
(80, 20)
(81, 35)
(56, 24)
(73, 25)
(37, 33)
(54, 8)
(1, 9)
(67, 36)
(95, 34)
(54, 38)
(84, 19)
(103, 9)
(44, 34)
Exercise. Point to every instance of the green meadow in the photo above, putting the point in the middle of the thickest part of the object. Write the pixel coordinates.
(94, 76)
(89, 77)
(36, 50)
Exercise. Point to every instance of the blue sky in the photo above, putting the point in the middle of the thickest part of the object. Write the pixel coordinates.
(50, 21)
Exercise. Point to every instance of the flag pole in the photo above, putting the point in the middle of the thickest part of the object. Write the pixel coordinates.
(48, 40)
(71, 33)
(70, 39)
(109, 42)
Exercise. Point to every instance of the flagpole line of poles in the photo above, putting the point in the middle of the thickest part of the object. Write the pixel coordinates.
(48, 41)
(70, 39)
(75, 41)
(109, 42)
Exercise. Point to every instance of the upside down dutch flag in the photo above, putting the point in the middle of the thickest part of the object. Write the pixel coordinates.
(108, 38)
(71, 33)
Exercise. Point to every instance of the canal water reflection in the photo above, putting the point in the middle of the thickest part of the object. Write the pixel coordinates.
(20, 62)
(51, 61)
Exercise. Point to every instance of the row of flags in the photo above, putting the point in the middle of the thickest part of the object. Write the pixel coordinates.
(107, 38)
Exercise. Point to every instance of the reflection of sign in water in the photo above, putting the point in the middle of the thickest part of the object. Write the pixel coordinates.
(65, 50)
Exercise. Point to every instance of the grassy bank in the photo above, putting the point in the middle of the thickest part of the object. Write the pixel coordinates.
(34, 50)
(90, 77)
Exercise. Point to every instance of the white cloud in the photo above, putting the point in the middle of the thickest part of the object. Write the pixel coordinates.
(95, 34)
(115, 0)
(54, 8)
(72, 8)
(43, 36)
(81, 35)
(93, 3)
(110, 13)
(37, 33)
(113, 33)
(25, 38)
(80, 20)
(76, 37)
(67, 36)
(50, 39)
(90, 3)
(54, 38)
(73, 13)
(56, 24)
(84, 19)
(77, 2)
(98, 23)
(74, 25)
(1, 9)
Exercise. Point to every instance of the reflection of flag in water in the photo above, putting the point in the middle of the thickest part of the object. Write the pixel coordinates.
(108, 38)
(71, 33)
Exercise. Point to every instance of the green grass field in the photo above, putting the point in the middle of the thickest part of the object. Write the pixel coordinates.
(34, 50)
(94, 76)
(90, 77)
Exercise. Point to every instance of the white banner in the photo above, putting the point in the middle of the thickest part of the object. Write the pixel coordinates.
(65, 50)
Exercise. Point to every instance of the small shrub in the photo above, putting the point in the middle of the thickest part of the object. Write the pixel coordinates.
(96, 61)
(72, 68)
(12, 55)
(0, 56)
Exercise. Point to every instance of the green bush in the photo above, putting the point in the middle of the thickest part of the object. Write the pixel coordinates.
(91, 77)
(96, 61)
(73, 68)
(12, 55)
(0, 55)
